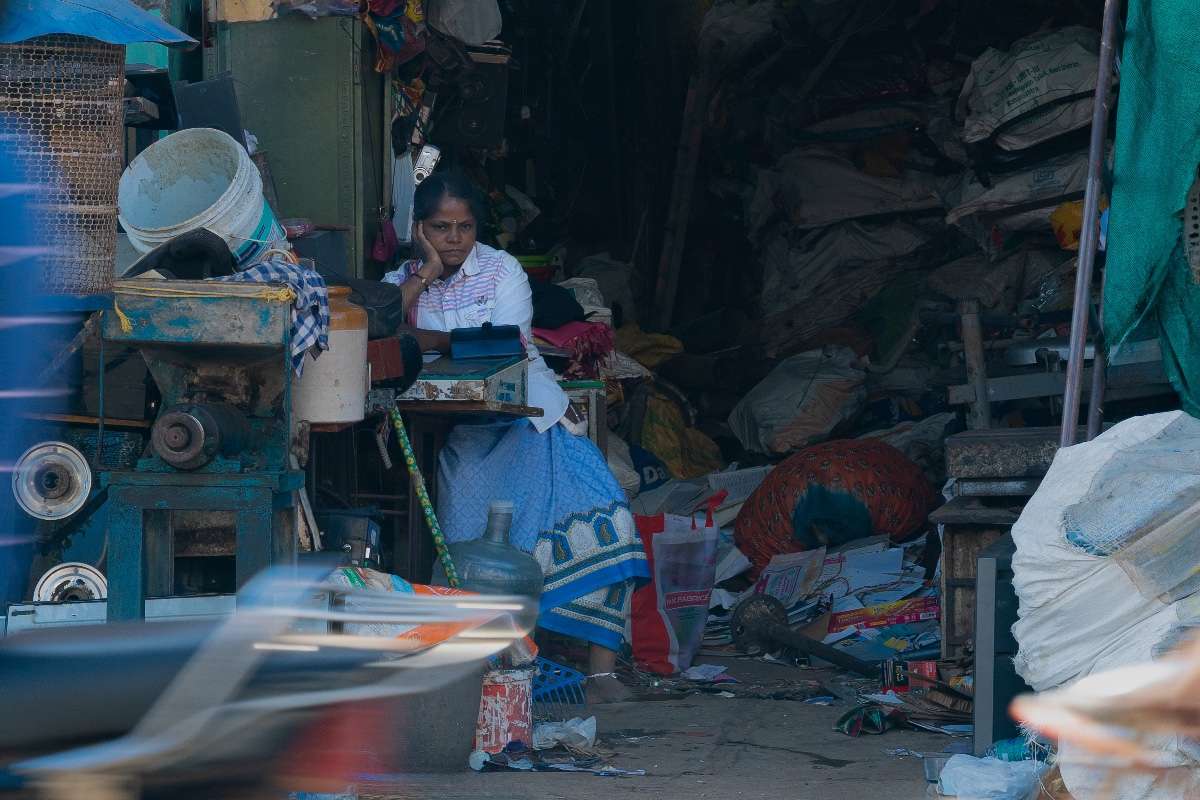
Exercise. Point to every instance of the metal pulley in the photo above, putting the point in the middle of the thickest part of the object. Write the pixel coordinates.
(191, 435)
(51, 481)
(71, 582)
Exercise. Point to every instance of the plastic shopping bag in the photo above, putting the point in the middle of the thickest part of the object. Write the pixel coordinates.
(670, 612)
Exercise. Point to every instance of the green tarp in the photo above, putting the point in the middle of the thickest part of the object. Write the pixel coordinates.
(1157, 152)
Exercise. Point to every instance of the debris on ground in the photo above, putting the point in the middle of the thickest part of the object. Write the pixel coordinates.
(517, 758)
(575, 734)
(990, 778)
(655, 687)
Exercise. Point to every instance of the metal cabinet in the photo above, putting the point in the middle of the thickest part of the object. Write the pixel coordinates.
(996, 678)
(308, 91)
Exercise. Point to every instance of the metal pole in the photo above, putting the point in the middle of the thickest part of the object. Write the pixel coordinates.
(1099, 372)
(1096, 396)
(1089, 238)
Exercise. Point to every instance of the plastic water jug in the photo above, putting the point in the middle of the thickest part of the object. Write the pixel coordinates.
(490, 565)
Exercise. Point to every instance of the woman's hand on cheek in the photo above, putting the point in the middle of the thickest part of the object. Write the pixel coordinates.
(431, 263)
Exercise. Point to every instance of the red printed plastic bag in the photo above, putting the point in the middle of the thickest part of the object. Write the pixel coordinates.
(669, 613)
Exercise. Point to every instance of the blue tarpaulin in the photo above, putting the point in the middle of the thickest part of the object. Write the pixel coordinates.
(112, 21)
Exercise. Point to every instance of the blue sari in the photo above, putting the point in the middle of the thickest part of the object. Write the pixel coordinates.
(571, 515)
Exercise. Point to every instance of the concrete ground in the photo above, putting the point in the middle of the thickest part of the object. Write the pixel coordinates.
(705, 746)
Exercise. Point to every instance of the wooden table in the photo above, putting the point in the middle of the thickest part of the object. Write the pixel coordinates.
(429, 422)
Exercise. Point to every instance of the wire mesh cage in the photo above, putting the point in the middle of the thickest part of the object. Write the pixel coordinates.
(62, 95)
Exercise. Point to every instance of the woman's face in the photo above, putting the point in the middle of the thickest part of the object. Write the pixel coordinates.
(451, 230)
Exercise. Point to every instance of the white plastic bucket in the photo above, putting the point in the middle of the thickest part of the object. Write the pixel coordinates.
(197, 178)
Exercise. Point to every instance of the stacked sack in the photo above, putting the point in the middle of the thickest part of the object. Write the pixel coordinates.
(1105, 573)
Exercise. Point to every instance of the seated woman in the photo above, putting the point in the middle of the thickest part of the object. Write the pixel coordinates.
(570, 512)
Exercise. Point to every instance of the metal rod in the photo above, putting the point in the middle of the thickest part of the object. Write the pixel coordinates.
(72, 347)
(796, 640)
(100, 407)
(1096, 396)
(1099, 370)
(1089, 238)
(761, 621)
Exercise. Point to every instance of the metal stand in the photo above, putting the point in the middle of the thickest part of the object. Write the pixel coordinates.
(1089, 240)
(221, 356)
(142, 543)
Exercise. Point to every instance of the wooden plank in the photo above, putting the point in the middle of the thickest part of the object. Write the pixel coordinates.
(972, 511)
(691, 135)
(980, 415)
(80, 419)
(438, 407)
(996, 487)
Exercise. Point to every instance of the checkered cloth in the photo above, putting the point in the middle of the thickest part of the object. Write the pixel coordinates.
(310, 312)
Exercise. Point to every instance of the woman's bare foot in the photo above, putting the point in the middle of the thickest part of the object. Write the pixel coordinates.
(607, 689)
(603, 685)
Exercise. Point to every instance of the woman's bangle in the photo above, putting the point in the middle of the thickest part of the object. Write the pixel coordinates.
(424, 281)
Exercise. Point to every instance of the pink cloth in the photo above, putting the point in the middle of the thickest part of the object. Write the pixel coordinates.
(590, 344)
(567, 333)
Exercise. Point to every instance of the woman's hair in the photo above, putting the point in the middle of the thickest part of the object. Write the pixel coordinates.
(448, 184)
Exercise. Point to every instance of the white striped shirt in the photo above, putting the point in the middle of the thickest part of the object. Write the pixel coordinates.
(490, 286)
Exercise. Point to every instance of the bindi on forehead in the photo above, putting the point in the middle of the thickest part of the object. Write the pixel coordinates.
(454, 210)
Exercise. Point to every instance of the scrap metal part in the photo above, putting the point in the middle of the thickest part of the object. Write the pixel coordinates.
(760, 622)
(190, 435)
(71, 582)
(51, 481)
(753, 620)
